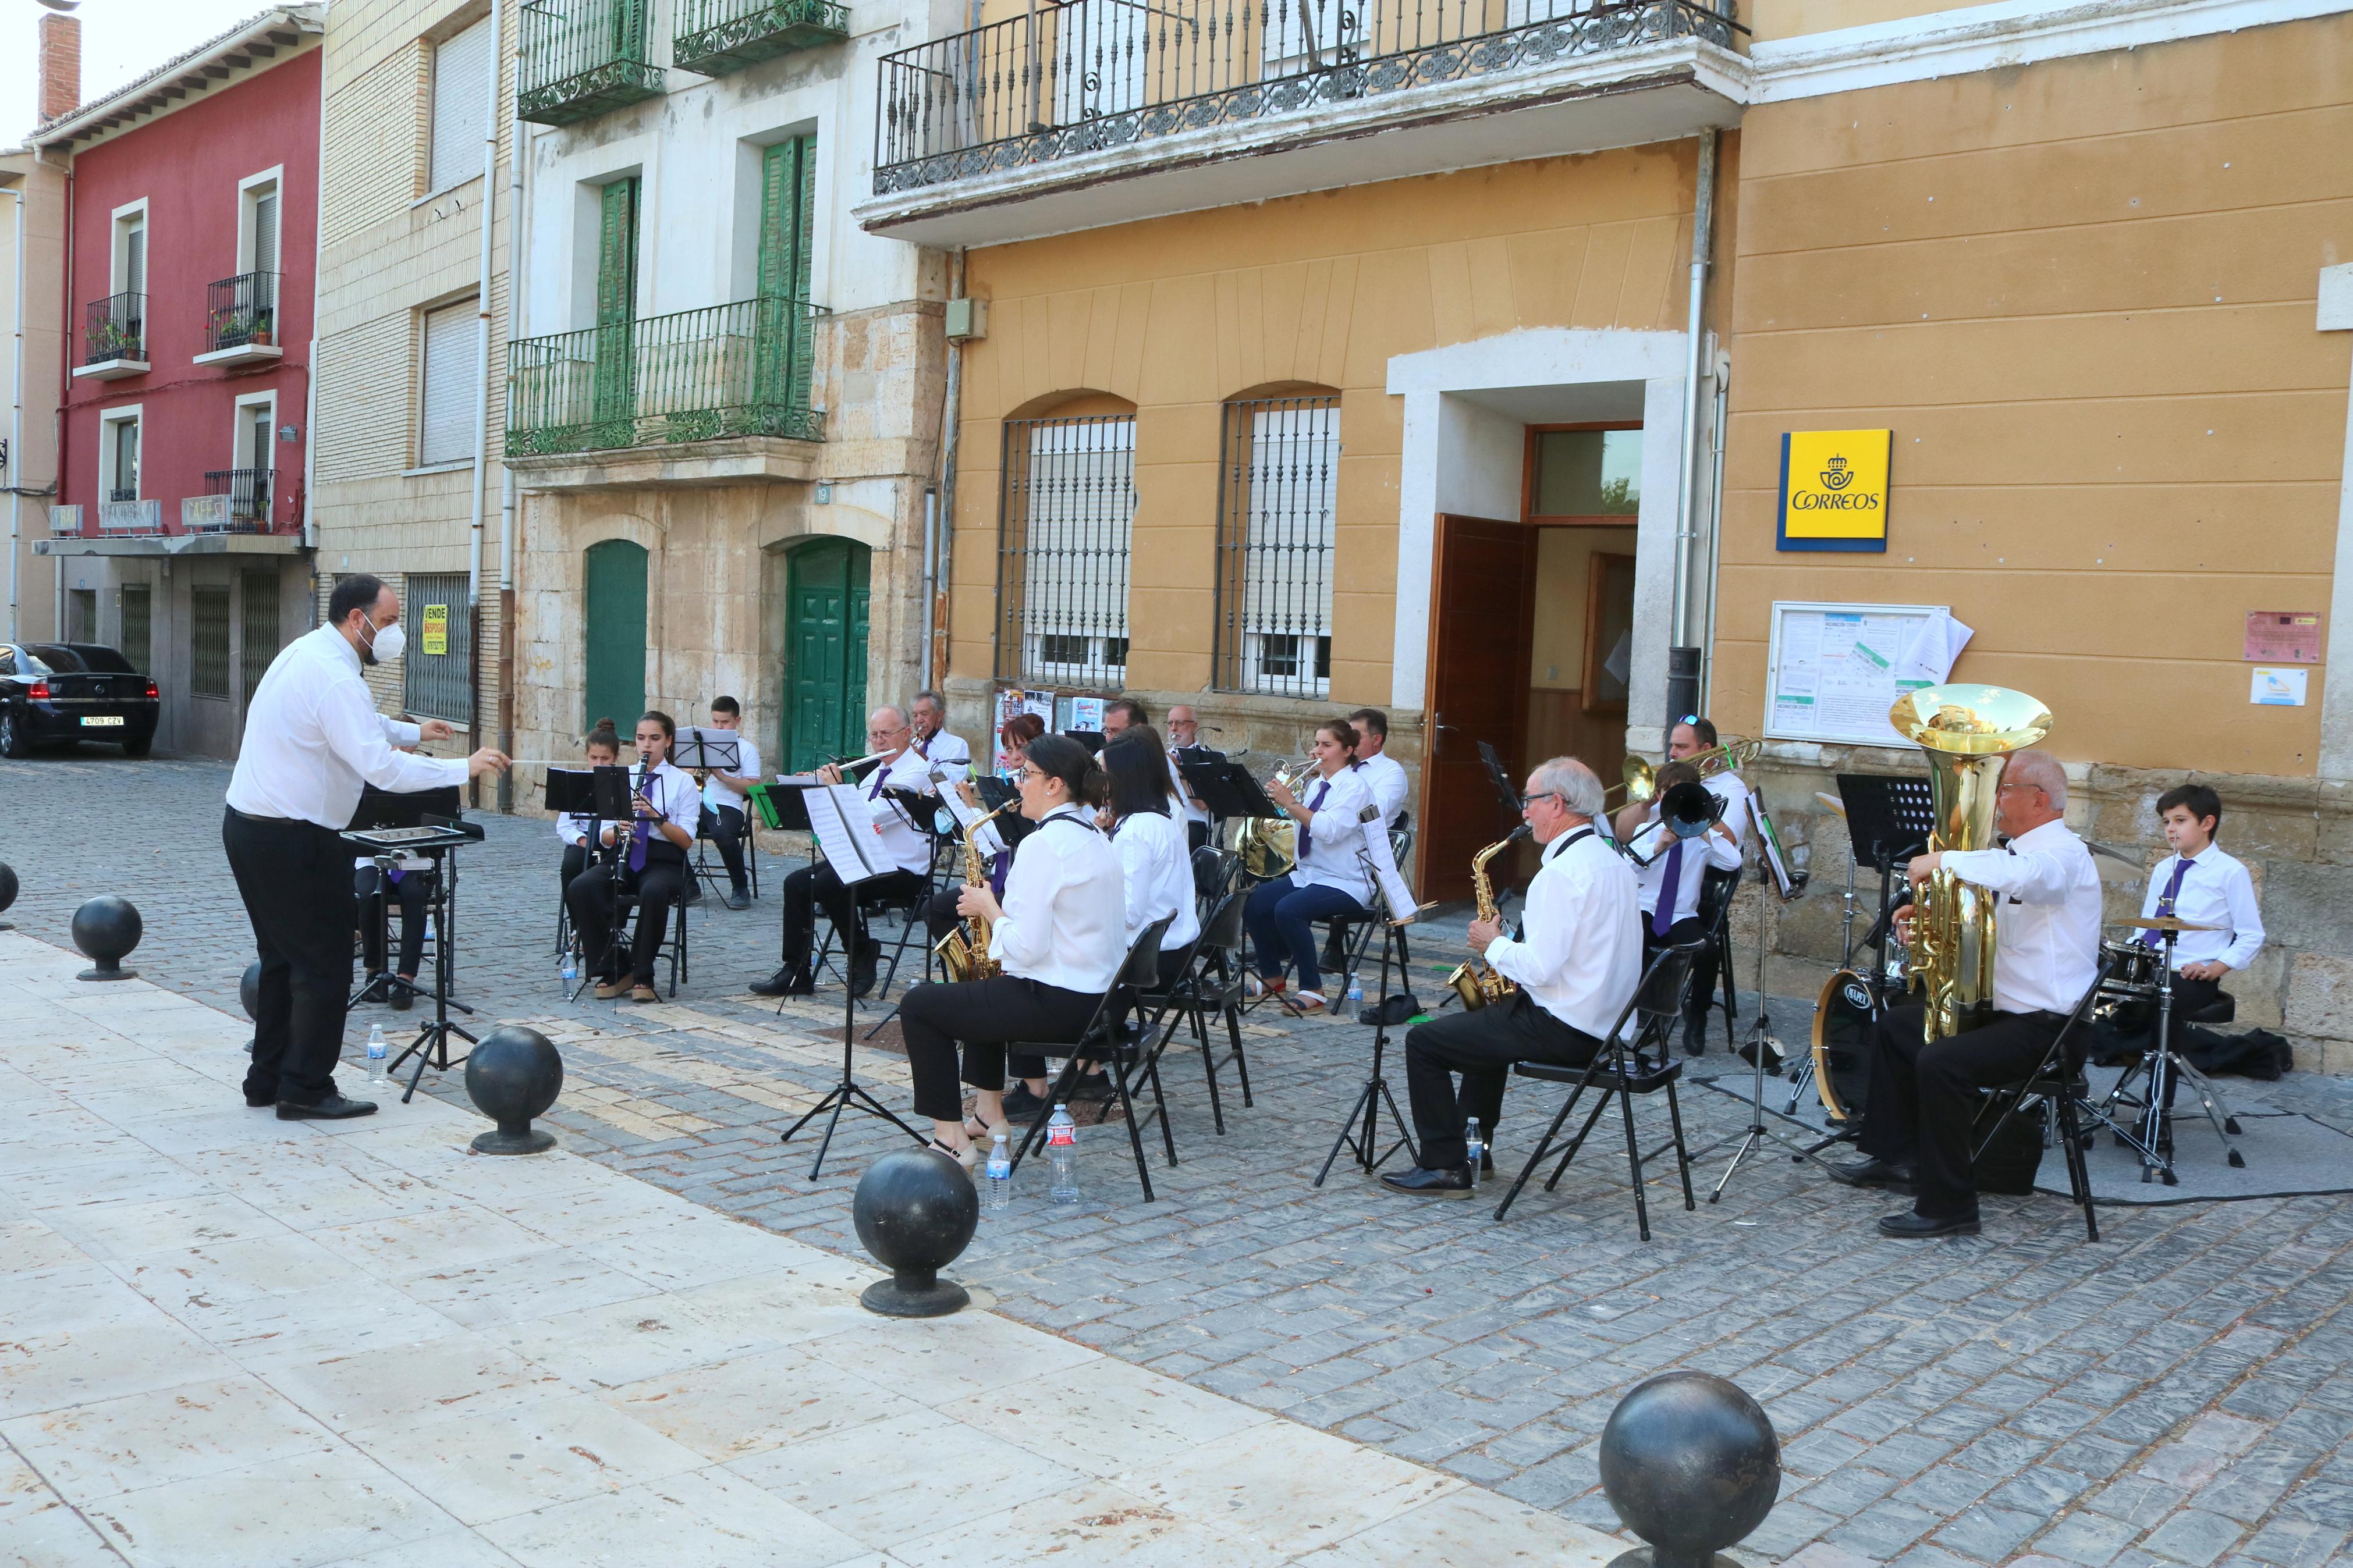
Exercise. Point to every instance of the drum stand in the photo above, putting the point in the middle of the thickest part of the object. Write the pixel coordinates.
(2154, 1142)
(1758, 1132)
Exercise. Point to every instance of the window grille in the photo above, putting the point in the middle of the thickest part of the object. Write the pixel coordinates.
(433, 610)
(208, 641)
(139, 627)
(1065, 515)
(258, 620)
(1276, 500)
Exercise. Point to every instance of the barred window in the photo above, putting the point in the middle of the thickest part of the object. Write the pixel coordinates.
(437, 667)
(259, 624)
(1065, 515)
(1276, 505)
(209, 621)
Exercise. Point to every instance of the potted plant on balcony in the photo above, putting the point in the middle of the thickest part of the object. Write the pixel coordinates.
(110, 341)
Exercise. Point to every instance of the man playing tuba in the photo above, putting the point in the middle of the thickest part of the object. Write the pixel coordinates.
(1924, 1094)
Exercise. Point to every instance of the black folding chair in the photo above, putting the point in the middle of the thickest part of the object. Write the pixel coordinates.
(673, 942)
(1115, 1037)
(707, 873)
(1349, 934)
(1213, 873)
(1716, 894)
(1210, 987)
(2056, 1083)
(1624, 1066)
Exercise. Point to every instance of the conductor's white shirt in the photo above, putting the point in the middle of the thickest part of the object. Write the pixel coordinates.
(1156, 869)
(313, 737)
(2048, 928)
(1065, 908)
(2215, 891)
(1582, 953)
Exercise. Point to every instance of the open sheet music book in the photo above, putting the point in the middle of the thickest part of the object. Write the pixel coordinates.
(845, 831)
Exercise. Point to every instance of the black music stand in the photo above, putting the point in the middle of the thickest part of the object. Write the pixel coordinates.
(1376, 1093)
(709, 751)
(1500, 776)
(437, 838)
(381, 808)
(1225, 790)
(1092, 740)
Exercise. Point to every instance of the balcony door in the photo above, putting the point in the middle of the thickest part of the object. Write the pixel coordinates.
(784, 360)
(614, 392)
(826, 598)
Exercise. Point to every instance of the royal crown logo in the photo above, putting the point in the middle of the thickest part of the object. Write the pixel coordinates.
(1835, 475)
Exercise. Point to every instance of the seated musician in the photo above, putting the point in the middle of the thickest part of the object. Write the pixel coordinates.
(1185, 736)
(929, 715)
(1156, 863)
(1923, 1098)
(1381, 772)
(1326, 880)
(1670, 882)
(1692, 738)
(813, 888)
(409, 884)
(652, 865)
(1577, 964)
(604, 749)
(2205, 886)
(940, 916)
(1059, 937)
(723, 820)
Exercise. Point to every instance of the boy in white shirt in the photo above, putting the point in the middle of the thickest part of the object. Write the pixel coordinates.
(2202, 884)
(724, 802)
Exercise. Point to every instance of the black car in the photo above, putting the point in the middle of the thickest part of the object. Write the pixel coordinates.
(62, 692)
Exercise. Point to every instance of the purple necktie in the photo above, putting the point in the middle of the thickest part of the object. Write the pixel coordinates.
(2165, 903)
(1307, 834)
(1662, 914)
(396, 874)
(881, 773)
(638, 830)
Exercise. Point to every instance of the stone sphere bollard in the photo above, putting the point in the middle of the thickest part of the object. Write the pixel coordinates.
(915, 1211)
(7, 892)
(106, 929)
(1692, 1465)
(513, 1075)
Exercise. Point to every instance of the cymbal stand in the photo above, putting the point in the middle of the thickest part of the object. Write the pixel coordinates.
(2154, 1140)
(1758, 1134)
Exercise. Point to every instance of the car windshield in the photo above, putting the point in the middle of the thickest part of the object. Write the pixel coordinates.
(102, 659)
(60, 659)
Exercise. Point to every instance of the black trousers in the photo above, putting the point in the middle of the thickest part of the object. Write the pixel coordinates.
(413, 892)
(1923, 1098)
(1197, 835)
(983, 1015)
(575, 860)
(1680, 933)
(296, 880)
(591, 895)
(813, 888)
(1482, 1046)
(724, 826)
(939, 915)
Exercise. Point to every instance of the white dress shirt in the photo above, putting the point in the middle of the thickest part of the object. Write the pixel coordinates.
(1385, 778)
(946, 750)
(313, 737)
(1712, 849)
(1582, 956)
(1729, 788)
(1065, 908)
(906, 844)
(573, 828)
(1155, 866)
(716, 794)
(671, 791)
(1335, 836)
(2215, 891)
(2048, 929)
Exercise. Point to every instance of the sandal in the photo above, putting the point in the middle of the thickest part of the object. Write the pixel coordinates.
(968, 1157)
(1254, 988)
(980, 1140)
(1306, 1004)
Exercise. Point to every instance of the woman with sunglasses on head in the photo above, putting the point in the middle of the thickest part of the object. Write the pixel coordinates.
(653, 865)
(1059, 937)
(1327, 878)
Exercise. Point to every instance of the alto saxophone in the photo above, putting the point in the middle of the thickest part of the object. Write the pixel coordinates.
(964, 951)
(1473, 981)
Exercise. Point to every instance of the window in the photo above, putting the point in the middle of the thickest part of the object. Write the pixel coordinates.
(462, 69)
(129, 265)
(138, 626)
(82, 622)
(257, 625)
(208, 641)
(437, 668)
(118, 458)
(100, 659)
(1586, 472)
(1064, 519)
(249, 481)
(257, 239)
(1277, 505)
(446, 402)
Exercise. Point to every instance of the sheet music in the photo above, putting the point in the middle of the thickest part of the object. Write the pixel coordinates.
(988, 843)
(1395, 888)
(845, 831)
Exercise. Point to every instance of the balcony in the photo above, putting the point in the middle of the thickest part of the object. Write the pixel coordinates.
(580, 57)
(702, 396)
(715, 36)
(114, 338)
(241, 321)
(239, 502)
(1103, 111)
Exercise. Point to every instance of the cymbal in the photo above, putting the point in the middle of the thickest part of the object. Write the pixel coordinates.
(2171, 922)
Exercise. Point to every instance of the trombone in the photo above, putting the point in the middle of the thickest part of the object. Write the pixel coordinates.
(1729, 757)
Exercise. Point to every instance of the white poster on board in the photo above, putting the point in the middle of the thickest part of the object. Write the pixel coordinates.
(1832, 670)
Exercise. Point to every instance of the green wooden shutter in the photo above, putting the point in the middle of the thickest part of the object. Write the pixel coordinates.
(787, 245)
(614, 620)
(615, 386)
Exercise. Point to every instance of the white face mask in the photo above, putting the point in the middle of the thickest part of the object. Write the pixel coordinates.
(388, 643)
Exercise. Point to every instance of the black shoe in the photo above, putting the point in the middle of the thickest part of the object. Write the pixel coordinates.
(1911, 1227)
(1873, 1173)
(861, 967)
(1092, 1089)
(1695, 1034)
(785, 982)
(693, 893)
(258, 1101)
(739, 900)
(1020, 1105)
(401, 997)
(334, 1107)
(1427, 1184)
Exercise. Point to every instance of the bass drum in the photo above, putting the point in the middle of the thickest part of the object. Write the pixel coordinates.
(1844, 1019)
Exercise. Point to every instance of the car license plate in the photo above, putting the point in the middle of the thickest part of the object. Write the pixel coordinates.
(99, 720)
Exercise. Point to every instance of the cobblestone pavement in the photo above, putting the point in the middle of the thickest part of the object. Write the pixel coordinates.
(2177, 1394)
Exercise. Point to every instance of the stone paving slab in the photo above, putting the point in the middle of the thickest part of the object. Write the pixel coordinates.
(1976, 1400)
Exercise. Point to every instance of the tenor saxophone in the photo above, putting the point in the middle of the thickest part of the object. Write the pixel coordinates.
(964, 951)
(1473, 981)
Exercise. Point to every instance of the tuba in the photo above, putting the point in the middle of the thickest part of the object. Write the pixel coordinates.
(1473, 981)
(964, 951)
(1967, 730)
(1269, 846)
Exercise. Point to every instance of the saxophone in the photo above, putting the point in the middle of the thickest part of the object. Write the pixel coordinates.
(964, 951)
(1473, 981)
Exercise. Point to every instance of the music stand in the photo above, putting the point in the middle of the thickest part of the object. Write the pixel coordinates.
(1376, 1091)
(708, 749)
(1092, 740)
(1500, 776)
(381, 808)
(435, 837)
(1225, 790)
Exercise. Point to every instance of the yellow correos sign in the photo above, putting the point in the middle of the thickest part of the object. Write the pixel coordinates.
(1834, 490)
(433, 633)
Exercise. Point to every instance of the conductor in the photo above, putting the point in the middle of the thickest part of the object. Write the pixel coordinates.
(312, 738)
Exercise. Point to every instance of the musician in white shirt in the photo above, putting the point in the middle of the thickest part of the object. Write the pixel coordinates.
(1381, 772)
(1184, 736)
(312, 739)
(723, 819)
(1577, 964)
(813, 888)
(1686, 741)
(929, 715)
(2202, 884)
(1328, 877)
(1676, 867)
(1060, 937)
(1923, 1097)
(1156, 863)
(572, 829)
(651, 863)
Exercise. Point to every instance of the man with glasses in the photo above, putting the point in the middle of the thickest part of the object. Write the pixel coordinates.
(815, 887)
(1576, 963)
(929, 715)
(1923, 1097)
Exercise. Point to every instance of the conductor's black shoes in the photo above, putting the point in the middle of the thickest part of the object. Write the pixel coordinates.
(1449, 1184)
(334, 1107)
(1911, 1227)
(1873, 1173)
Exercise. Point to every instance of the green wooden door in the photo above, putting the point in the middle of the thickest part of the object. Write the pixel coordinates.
(615, 623)
(615, 386)
(825, 653)
(787, 245)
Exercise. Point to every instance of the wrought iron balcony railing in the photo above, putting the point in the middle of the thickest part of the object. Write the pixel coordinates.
(247, 491)
(1092, 74)
(581, 57)
(715, 36)
(115, 328)
(743, 369)
(241, 312)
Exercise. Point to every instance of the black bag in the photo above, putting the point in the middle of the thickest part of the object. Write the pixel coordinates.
(2009, 1163)
(2257, 1053)
(1389, 1009)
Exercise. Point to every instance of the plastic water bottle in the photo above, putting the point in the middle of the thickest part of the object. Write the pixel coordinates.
(570, 969)
(1356, 990)
(997, 1193)
(1062, 1148)
(1474, 1147)
(375, 1053)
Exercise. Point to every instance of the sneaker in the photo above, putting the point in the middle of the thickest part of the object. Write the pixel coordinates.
(739, 900)
(1020, 1105)
(1094, 1088)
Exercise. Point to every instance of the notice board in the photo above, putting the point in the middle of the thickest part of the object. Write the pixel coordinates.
(1830, 670)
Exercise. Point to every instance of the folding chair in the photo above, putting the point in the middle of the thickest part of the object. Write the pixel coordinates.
(1621, 1068)
(704, 872)
(1210, 987)
(673, 942)
(2055, 1083)
(1115, 1039)
(1716, 894)
(1351, 934)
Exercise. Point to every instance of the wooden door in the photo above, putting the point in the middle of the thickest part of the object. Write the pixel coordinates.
(616, 635)
(1482, 609)
(825, 608)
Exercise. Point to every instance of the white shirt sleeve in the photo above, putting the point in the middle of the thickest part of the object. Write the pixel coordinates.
(398, 733)
(1723, 853)
(1135, 878)
(568, 829)
(2030, 876)
(362, 738)
(2246, 920)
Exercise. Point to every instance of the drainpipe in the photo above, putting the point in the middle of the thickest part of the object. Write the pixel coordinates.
(1714, 538)
(60, 427)
(482, 406)
(1683, 661)
(16, 419)
(518, 228)
(950, 418)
